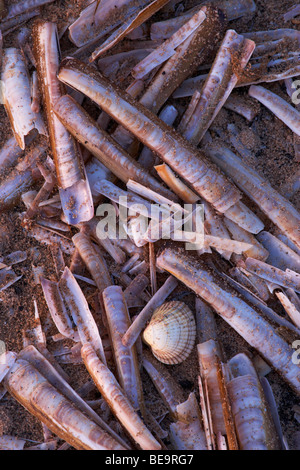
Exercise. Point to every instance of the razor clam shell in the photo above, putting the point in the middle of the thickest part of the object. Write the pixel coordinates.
(46, 237)
(117, 401)
(233, 9)
(7, 278)
(17, 96)
(188, 435)
(93, 259)
(220, 82)
(23, 7)
(7, 360)
(186, 60)
(118, 321)
(248, 413)
(163, 52)
(57, 308)
(209, 357)
(167, 387)
(147, 158)
(9, 154)
(11, 443)
(287, 278)
(81, 314)
(135, 16)
(42, 364)
(191, 164)
(254, 423)
(89, 25)
(280, 255)
(73, 185)
(276, 207)
(171, 333)
(257, 251)
(63, 418)
(101, 145)
(281, 108)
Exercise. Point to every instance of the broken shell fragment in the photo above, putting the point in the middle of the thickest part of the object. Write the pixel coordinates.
(17, 97)
(171, 333)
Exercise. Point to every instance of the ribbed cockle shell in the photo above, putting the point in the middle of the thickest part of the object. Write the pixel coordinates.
(171, 332)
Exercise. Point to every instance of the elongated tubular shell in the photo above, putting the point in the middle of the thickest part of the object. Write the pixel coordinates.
(114, 251)
(171, 332)
(42, 400)
(179, 188)
(147, 158)
(9, 153)
(47, 370)
(167, 49)
(280, 255)
(100, 144)
(86, 27)
(251, 282)
(74, 188)
(248, 413)
(214, 225)
(286, 278)
(93, 260)
(82, 316)
(95, 171)
(257, 73)
(254, 424)
(283, 110)
(57, 308)
(138, 14)
(188, 435)
(7, 360)
(12, 23)
(21, 178)
(237, 313)
(44, 367)
(289, 307)
(25, 6)
(169, 390)
(46, 237)
(17, 96)
(233, 10)
(220, 82)
(172, 148)
(135, 290)
(209, 355)
(118, 321)
(257, 251)
(205, 322)
(195, 50)
(279, 210)
(119, 404)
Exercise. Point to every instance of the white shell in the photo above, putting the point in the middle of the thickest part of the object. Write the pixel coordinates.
(171, 333)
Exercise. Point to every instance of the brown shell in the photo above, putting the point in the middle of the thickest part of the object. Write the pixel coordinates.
(171, 332)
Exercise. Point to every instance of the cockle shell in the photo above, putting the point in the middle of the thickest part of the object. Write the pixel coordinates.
(171, 332)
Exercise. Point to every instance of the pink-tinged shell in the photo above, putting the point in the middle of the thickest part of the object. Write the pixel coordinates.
(171, 333)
